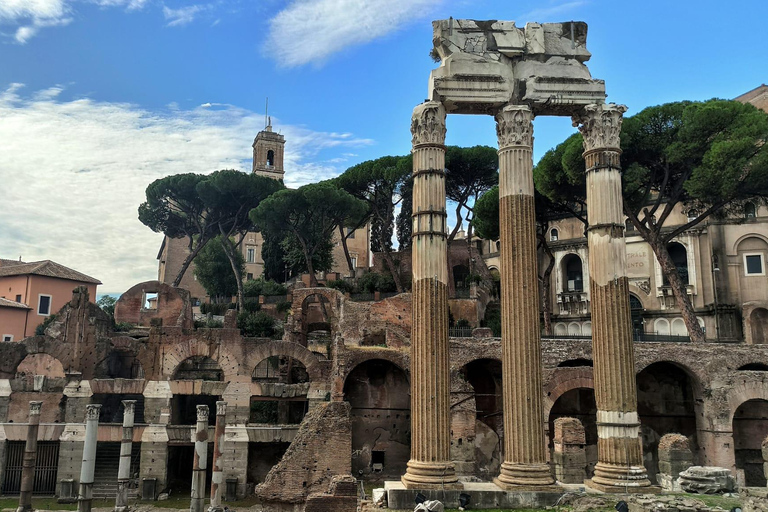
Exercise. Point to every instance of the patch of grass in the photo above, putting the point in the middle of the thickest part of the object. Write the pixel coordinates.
(40, 503)
(716, 500)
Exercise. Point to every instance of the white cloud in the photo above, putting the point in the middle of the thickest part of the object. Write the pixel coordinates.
(74, 172)
(309, 31)
(183, 15)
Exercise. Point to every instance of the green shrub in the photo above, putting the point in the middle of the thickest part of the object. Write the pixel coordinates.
(341, 285)
(252, 305)
(283, 306)
(123, 326)
(210, 324)
(257, 324)
(492, 320)
(376, 282)
(40, 329)
(463, 322)
(264, 412)
(260, 286)
(216, 309)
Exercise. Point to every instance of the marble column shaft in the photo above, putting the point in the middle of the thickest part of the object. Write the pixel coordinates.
(85, 494)
(217, 477)
(525, 459)
(619, 448)
(430, 465)
(200, 461)
(30, 458)
(126, 446)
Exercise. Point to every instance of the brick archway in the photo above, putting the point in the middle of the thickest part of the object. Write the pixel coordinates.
(564, 380)
(283, 348)
(179, 352)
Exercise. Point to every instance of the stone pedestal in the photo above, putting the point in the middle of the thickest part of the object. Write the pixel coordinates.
(675, 456)
(525, 460)
(619, 450)
(200, 461)
(430, 465)
(124, 469)
(569, 457)
(30, 457)
(85, 494)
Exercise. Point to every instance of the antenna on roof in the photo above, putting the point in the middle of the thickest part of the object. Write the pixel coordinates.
(266, 111)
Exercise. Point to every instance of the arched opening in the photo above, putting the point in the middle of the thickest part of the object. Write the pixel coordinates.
(578, 403)
(586, 328)
(755, 367)
(461, 277)
(679, 257)
(750, 211)
(484, 375)
(636, 310)
(38, 376)
(750, 427)
(284, 383)
(661, 326)
(270, 158)
(40, 364)
(573, 276)
(317, 330)
(573, 363)
(574, 329)
(379, 394)
(480, 441)
(678, 327)
(665, 403)
(758, 321)
(561, 329)
(553, 235)
(184, 406)
(119, 365)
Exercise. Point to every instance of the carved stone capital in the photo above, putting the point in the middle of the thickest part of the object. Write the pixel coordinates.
(600, 125)
(129, 406)
(35, 408)
(202, 413)
(92, 412)
(514, 126)
(221, 408)
(428, 123)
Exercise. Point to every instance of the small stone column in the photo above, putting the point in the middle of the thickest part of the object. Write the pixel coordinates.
(619, 449)
(200, 461)
(126, 445)
(30, 458)
(85, 495)
(525, 459)
(675, 456)
(569, 457)
(217, 478)
(430, 466)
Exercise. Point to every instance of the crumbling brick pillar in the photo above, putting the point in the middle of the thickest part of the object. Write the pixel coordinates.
(525, 459)
(619, 449)
(430, 465)
(569, 457)
(675, 456)
(765, 457)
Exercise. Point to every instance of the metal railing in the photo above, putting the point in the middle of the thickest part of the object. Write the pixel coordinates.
(636, 336)
(460, 332)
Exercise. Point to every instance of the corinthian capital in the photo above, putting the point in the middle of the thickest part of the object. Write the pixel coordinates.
(129, 406)
(514, 126)
(92, 412)
(428, 123)
(202, 413)
(221, 408)
(35, 407)
(600, 125)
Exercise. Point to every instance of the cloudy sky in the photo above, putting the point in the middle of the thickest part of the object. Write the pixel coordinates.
(98, 98)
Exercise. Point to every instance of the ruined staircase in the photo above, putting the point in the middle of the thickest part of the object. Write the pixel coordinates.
(107, 464)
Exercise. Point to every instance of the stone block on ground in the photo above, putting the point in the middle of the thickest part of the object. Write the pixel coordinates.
(706, 480)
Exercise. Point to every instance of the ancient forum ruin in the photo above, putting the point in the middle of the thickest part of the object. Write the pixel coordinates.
(388, 396)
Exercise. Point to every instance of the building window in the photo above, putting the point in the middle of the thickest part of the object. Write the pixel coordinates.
(350, 233)
(692, 214)
(250, 255)
(679, 257)
(553, 234)
(750, 212)
(629, 226)
(574, 277)
(44, 305)
(753, 265)
(18, 298)
(249, 276)
(7, 337)
(270, 158)
(354, 261)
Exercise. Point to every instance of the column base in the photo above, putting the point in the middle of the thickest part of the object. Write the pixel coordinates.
(430, 475)
(621, 479)
(622, 489)
(533, 477)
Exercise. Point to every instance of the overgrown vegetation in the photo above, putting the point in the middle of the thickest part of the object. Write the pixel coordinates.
(40, 329)
(258, 324)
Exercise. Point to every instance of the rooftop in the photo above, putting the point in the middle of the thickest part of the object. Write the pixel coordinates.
(46, 268)
(12, 304)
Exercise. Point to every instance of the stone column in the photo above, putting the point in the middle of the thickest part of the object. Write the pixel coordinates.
(430, 466)
(126, 445)
(30, 458)
(525, 458)
(85, 496)
(619, 449)
(200, 461)
(217, 478)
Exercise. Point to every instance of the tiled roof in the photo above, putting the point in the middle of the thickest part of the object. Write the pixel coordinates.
(8, 263)
(12, 304)
(46, 268)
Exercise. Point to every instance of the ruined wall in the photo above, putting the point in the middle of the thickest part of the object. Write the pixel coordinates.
(173, 306)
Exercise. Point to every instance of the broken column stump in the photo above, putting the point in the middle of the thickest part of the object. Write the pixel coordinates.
(675, 456)
(570, 457)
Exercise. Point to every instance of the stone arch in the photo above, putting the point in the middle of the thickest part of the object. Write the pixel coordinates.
(586, 328)
(561, 329)
(574, 329)
(484, 375)
(563, 380)
(750, 427)
(745, 391)
(181, 351)
(572, 272)
(661, 326)
(677, 327)
(737, 243)
(40, 364)
(305, 316)
(309, 359)
(756, 325)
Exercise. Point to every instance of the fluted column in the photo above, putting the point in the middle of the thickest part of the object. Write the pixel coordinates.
(217, 463)
(430, 465)
(619, 449)
(30, 458)
(85, 495)
(126, 446)
(525, 459)
(200, 460)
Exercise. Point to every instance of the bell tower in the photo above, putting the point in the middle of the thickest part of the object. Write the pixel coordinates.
(268, 150)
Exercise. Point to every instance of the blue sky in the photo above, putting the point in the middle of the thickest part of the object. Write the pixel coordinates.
(100, 97)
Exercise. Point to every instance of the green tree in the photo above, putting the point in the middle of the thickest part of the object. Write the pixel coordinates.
(708, 157)
(379, 183)
(107, 305)
(174, 208)
(307, 216)
(213, 271)
(230, 195)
